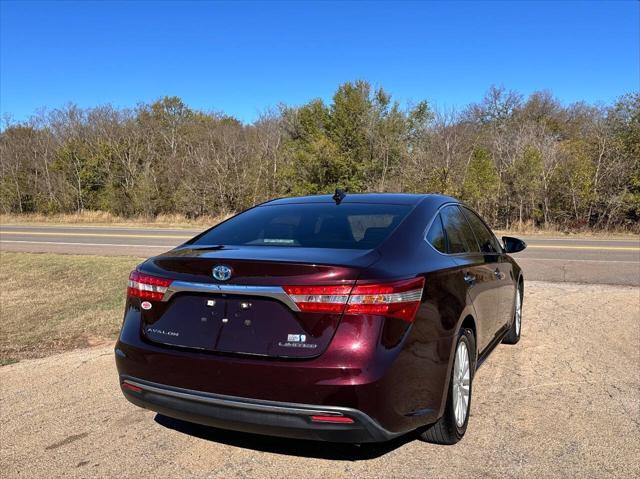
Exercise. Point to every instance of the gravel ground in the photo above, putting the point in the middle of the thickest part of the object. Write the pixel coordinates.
(564, 402)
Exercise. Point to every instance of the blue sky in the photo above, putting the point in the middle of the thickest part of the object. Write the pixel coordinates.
(242, 58)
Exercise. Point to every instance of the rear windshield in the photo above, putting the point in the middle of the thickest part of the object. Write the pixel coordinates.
(310, 225)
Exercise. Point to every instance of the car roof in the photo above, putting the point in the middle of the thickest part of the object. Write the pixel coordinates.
(371, 198)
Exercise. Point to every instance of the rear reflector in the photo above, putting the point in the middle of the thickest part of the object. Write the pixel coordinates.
(333, 419)
(131, 387)
(147, 287)
(398, 299)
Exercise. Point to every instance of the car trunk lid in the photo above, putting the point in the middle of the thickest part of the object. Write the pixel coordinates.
(250, 313)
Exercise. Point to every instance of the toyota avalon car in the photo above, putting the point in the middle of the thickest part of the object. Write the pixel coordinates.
(348, 318)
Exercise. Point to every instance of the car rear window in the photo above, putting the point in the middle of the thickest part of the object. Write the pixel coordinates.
(309, 225)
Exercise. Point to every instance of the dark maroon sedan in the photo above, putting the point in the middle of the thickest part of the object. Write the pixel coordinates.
(352, 318)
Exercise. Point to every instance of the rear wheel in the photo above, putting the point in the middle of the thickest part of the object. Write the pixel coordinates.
(513, 335)
(452, 425)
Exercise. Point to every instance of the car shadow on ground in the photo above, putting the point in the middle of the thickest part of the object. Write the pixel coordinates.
(290, 447)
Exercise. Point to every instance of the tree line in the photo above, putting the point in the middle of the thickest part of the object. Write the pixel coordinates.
(516, 160)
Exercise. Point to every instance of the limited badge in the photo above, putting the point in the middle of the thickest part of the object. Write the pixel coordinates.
(146, 305)
(295, 338)
(297, 341)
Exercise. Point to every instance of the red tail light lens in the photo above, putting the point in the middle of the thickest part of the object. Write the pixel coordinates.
(399, 299)
(319, 299)
(147, 287)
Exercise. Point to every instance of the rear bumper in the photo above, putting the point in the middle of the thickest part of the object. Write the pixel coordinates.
(272, 418)
(394, 387)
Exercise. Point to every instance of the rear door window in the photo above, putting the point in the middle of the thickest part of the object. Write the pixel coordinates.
(310, 225)
(486, 239)
(436, 235)
(460, 238)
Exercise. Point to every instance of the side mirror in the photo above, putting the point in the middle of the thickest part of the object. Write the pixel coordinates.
(513, 245)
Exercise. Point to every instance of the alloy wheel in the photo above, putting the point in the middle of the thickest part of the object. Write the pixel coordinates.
(518, 317)
(461, 384)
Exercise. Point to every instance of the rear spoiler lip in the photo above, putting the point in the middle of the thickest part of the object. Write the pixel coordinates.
(361, 258)
(274, 292)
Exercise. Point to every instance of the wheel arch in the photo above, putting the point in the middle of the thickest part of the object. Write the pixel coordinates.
(467, 321)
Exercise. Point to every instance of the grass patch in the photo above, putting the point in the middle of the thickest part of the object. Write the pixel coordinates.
(51, 303)
(104, 218)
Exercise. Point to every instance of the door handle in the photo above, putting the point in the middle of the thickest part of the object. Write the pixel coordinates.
(469, 278)
(498, 274)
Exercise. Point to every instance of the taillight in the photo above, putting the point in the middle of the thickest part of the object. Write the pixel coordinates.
(398, 299)
(147, 287)
(319, 299)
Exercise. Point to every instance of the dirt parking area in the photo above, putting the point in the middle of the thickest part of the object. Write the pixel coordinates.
(564, 402)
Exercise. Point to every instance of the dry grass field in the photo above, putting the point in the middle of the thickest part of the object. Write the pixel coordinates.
(103, 218)
(51, 303)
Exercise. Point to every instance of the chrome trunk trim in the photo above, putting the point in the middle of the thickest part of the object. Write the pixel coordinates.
(273, 292)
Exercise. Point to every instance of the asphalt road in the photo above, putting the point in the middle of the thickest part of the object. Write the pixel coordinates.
(581, 260)
(563, 402)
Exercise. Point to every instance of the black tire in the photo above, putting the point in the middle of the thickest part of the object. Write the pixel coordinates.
(446, 430)
(513, 335)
